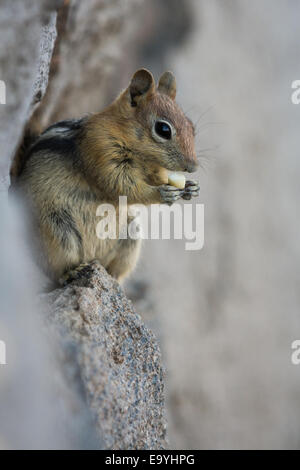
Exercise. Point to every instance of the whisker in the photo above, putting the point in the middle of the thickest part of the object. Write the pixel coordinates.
(207, 125)
(203, 114)
(209, 149)
(206, 163)
(186, 112)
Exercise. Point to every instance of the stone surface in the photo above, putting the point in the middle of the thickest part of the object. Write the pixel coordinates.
(93, 377)
(27, 36)
(94, 37)
(119, 361)
(99, 32)
(42, 403)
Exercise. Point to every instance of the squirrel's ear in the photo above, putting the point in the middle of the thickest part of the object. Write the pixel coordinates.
(167, 84)
(141, 85)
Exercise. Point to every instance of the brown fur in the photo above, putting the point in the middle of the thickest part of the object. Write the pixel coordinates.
(117, 155)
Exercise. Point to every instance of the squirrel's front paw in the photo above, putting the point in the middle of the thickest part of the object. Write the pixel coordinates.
(191, 189)
(170, 194)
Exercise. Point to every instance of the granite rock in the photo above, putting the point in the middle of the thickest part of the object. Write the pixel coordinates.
(118, 358)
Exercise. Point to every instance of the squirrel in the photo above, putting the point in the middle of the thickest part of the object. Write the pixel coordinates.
(77, 164)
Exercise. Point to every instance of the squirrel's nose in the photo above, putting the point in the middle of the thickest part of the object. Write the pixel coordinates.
(191, 166)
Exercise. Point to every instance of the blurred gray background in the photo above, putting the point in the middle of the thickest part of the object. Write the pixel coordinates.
(226, 315)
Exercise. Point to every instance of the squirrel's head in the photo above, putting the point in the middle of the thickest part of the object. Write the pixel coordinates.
(155, 128)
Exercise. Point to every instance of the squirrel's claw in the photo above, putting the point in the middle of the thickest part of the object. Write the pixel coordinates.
(170, 194)
(191, 189)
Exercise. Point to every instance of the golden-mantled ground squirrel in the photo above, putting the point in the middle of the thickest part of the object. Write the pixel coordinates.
(127, 149)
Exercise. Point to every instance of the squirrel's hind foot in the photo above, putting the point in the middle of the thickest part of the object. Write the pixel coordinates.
(79, 272)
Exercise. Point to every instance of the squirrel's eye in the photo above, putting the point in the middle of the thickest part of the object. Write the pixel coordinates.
(163, 129)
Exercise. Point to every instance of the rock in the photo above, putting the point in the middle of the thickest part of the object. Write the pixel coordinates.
(83, 371)
(24, 69)
(42, 404)
(93, 37)
(118, 359)
(95, 357)
(78, 83)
